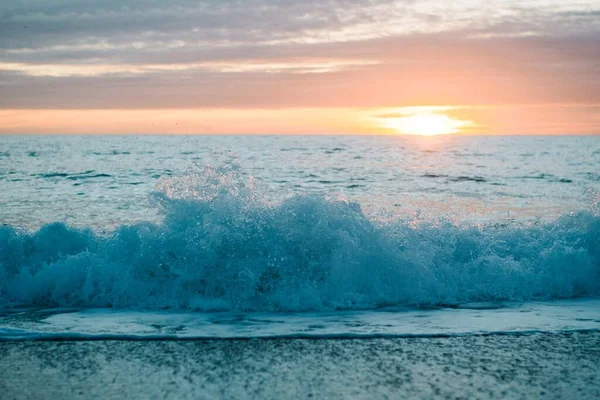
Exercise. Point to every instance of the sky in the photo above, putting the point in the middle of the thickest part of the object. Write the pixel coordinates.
(290, 67)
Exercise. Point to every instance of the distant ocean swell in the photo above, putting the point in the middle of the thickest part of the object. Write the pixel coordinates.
(222, 247)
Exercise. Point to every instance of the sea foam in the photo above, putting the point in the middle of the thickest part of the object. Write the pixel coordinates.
(221, 246)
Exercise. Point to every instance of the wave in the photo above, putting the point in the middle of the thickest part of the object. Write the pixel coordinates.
(221, 246)
(74, 176)
(505, 318)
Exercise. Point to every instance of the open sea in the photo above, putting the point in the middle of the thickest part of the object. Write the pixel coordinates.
(180, 237)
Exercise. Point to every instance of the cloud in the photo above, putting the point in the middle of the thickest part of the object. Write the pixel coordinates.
(96, 26)
(94, 70)
(270, 53)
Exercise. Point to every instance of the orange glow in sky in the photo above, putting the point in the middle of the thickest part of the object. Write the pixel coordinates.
(276, 67)
(425, 123)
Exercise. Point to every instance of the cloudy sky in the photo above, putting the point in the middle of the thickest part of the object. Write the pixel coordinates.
(311, 66)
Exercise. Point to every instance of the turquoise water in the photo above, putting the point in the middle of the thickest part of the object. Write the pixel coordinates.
(297, 224)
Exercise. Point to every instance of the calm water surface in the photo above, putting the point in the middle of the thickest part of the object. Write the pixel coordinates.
(103, 181)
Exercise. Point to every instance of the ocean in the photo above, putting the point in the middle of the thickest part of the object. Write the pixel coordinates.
(188, 237)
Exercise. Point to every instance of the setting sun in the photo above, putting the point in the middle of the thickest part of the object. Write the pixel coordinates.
(425, 124)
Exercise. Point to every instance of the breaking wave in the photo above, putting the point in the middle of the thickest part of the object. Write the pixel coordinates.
(221, 246)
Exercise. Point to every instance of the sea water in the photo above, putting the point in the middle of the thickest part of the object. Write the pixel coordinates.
(273, 236)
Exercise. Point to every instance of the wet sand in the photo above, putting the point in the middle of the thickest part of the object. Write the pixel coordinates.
(549, 366)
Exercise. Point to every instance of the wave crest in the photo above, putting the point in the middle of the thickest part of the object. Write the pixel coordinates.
(220, 246)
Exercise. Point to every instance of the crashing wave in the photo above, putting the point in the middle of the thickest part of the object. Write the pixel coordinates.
(221, 246)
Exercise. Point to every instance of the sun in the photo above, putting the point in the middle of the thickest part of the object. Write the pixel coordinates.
(425, 124)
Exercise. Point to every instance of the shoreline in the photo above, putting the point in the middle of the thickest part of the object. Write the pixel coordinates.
(81, 337)
(540, 365)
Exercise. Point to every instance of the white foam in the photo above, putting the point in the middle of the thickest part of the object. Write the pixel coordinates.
(469, 319)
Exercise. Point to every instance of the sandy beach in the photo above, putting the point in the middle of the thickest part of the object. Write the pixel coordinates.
(549, 366)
